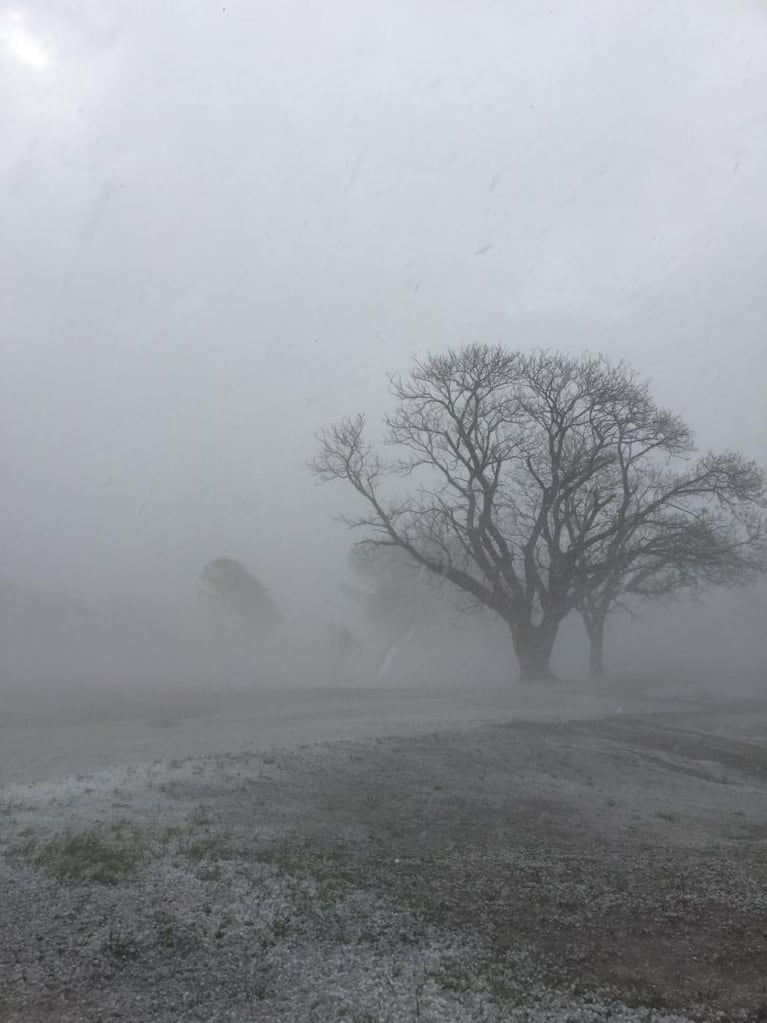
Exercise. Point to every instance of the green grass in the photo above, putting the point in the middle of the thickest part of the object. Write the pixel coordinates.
(206, 849)
(167, 931)
(200, 818)
(209, 872)
(86, 856)
(280, 925)
(8, 808)
(122, 945)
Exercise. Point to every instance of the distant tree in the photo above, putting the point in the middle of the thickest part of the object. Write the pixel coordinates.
(391, 590)
(231, 588)
(399, 599)
(241, 601)
(343, 643)
(519, 465)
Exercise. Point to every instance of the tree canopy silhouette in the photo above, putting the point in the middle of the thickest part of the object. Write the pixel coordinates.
(235, 591)
(530, 475)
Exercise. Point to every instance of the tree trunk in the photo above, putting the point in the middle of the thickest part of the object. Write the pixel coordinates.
(533, 645)
(596, 631)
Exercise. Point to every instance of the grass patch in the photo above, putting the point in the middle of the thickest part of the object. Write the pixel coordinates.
(122, 945)
(291, 856)
(200, 818)
(167, 931)
(9, 808)
(209, 872)
(280, 925)
(206, 849)
(87, 856)
(454, 976)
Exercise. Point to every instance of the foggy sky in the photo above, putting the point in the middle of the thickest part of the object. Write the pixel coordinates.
(221, 224)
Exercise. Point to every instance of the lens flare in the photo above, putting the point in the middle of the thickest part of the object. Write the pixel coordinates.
(24, 47)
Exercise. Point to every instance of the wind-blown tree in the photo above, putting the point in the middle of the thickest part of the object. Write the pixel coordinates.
(231, 588)
(516, 464)
(240, 601)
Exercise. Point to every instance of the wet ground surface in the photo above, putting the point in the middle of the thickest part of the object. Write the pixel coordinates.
(588, 858)
(52, 733)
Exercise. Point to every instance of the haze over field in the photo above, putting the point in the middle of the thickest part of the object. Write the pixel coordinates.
(224, 224)
(483, 280)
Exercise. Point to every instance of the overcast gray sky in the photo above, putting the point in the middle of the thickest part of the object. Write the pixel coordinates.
(222, 223)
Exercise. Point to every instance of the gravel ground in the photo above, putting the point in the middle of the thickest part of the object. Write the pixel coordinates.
(535, 871)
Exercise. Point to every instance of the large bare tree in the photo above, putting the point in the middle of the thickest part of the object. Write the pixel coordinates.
(515, 465)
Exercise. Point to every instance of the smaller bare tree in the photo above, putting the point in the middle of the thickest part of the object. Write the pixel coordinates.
(673, 555)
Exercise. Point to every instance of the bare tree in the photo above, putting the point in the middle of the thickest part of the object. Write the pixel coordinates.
(668, 557)
(518, 467)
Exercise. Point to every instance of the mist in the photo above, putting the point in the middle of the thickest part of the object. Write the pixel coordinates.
(206, 258)
(382, 510)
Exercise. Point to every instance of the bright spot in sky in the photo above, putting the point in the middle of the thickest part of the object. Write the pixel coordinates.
(24, 47)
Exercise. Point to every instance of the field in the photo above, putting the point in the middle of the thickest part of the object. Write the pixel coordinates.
(380, 856)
